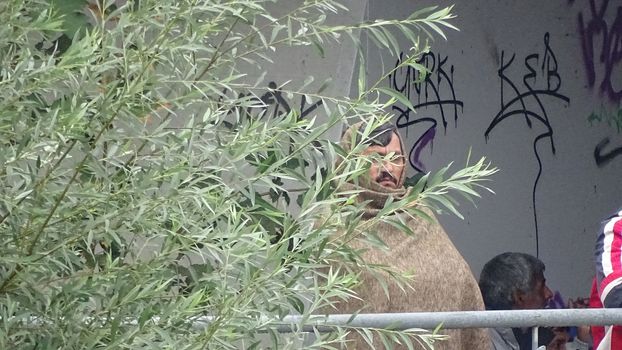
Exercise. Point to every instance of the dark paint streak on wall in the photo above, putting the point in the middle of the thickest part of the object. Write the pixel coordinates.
(434, 91)
(528, 103)
(594, 29)
(601, 156)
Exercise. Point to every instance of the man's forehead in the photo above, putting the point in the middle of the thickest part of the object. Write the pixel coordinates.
(375, 140)
(389, 148)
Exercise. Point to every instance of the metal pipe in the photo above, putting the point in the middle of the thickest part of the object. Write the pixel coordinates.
(534, 338)
(447, 320)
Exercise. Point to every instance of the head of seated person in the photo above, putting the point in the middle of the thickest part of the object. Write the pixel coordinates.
(514, 281)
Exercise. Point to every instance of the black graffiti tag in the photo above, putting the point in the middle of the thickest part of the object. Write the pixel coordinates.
(435, 91)
(272, 103)
(529, 102)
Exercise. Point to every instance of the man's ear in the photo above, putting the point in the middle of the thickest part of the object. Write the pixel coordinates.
(518, 299)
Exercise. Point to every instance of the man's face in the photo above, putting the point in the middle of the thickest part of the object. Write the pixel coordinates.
(387, 173)
(536, 298)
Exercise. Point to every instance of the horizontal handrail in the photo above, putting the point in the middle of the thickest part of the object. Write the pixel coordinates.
(449, 320)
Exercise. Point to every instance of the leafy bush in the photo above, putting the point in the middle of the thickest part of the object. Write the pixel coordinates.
(145, 187)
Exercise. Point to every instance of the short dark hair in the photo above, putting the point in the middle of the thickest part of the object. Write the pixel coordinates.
(380, 136)
(506, 274)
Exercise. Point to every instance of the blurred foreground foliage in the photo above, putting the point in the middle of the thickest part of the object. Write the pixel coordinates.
(144, 180)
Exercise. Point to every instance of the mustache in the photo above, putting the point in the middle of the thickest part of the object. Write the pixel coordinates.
(385, 175)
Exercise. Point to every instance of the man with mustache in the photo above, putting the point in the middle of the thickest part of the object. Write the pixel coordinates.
(385, 141)
(439, 279)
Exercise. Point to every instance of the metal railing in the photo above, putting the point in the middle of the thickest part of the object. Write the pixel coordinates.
(452, 320)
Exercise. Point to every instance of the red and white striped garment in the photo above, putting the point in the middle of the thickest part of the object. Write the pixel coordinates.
(607, 286)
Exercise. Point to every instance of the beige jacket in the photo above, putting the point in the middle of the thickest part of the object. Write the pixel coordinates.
(441, 279)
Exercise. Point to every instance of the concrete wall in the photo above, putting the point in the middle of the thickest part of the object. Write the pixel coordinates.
(533, 86)
(293, 67)
(525, 84)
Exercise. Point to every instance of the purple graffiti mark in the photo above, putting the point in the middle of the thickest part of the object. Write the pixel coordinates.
(427, 138)
(603, 158)
(591, 30)
(519, 106)
(594, 29)
(434, 90)
(422, 142)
